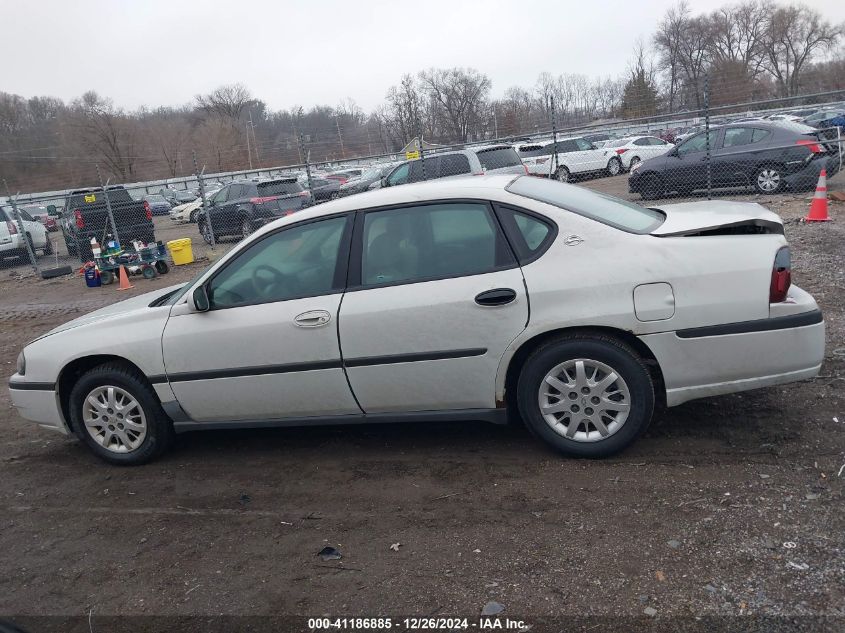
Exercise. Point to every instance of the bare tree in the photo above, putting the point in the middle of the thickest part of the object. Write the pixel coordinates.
(460, 95)
(107, 133)
(228, 102)
(793, 35)
(667, 42)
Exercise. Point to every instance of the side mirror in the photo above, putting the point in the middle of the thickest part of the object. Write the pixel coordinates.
(199, 300)
(673, 152)
(384, 182)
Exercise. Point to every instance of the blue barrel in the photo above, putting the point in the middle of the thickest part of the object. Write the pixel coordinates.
(92, 278)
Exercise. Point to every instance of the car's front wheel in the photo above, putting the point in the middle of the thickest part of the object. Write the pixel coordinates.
(114, 411)
(586, 396)
(634, 161)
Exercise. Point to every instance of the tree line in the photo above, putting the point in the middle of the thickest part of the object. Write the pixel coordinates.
(749, 51)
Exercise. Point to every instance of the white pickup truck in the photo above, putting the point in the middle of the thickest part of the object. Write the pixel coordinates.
(575, 156)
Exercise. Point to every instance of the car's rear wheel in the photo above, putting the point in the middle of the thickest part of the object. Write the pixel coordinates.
(614, 166)
(246, 227)
(205, 231)
(634, 161)
(586, 396)
(193, 218)
(652, 187)
(114, 411)
(562, 174)
(768, 179)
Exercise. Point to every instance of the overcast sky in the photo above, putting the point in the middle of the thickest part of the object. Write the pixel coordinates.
(163, 52)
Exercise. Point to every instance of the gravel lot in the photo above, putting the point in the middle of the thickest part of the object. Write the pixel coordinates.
(727, 507)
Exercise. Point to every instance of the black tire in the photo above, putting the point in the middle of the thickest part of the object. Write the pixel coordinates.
(106, 277)
(767, 174)
(149, 272)
(615, 354)
(562, 175)
(193, 217)
(161, 267)
(204, 231)
(159, 432)
(634, 161)
(652, 187)
(246, 227)
(614, 166)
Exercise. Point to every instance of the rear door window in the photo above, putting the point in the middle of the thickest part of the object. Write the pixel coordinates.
(529, 235)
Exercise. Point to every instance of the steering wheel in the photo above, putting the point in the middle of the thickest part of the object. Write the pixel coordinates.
(267, 281)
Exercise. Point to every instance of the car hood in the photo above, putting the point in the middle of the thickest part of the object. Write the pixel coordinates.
(711, 215)
(120, 309)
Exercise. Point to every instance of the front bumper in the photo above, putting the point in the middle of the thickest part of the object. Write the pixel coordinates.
(710, 362)
(38, 402)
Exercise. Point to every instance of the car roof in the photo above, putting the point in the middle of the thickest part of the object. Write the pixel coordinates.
(490, 187)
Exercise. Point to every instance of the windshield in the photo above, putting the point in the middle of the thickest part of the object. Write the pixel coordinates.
(615, 212)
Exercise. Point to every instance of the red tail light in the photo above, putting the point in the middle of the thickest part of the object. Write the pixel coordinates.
(147, 210)
(814, 146)
(80, 221)
(621, 150)
(13, 228)
(525, 167)
(263, 199)
(781, 276)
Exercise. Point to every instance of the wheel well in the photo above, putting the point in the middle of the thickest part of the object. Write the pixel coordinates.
(72, 371)
(525, 350)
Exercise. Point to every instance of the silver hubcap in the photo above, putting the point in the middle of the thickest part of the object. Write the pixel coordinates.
(584, 400)
(768, 180)
(114, 419)
(563, 175)
(246, 228)
(614, 168)
(634, 161)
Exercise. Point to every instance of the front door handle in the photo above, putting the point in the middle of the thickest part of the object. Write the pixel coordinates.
(312, 318)
(496, 297)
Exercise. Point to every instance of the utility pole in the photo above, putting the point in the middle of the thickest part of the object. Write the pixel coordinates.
(254, 139)
(340, 137)
(553, 162)
(707, 131)
(248, 150)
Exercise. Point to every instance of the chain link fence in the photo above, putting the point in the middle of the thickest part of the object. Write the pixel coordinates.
(777, 146)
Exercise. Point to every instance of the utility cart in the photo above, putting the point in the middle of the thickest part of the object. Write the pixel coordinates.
(148, 261)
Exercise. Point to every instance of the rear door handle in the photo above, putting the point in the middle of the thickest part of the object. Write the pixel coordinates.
(496, 297)
(312, 318)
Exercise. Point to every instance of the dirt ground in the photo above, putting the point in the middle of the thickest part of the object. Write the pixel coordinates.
(729, 508)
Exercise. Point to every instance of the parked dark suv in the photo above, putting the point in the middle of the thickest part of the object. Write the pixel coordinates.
(241, 207)
(769, 156)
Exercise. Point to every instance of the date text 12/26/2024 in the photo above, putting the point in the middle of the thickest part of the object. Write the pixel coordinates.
(416, 624)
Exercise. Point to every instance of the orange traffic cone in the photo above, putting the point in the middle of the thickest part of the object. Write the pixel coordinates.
(124, 280)
(818, 207)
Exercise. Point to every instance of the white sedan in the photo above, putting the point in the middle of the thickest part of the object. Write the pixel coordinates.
(188, 212)
(635, 149)
(475, 298)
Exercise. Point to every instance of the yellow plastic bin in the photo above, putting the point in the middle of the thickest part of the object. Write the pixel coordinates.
(181, 251)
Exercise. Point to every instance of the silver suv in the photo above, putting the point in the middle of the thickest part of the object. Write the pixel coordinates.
(476, 161)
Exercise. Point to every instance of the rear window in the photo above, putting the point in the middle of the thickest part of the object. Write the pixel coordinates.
(279, 188)
(498, 157)
(617, 213)
(453, 164)
(533, 150)
(79, 200)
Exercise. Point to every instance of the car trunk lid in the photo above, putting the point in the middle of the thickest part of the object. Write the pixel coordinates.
(716, 217)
